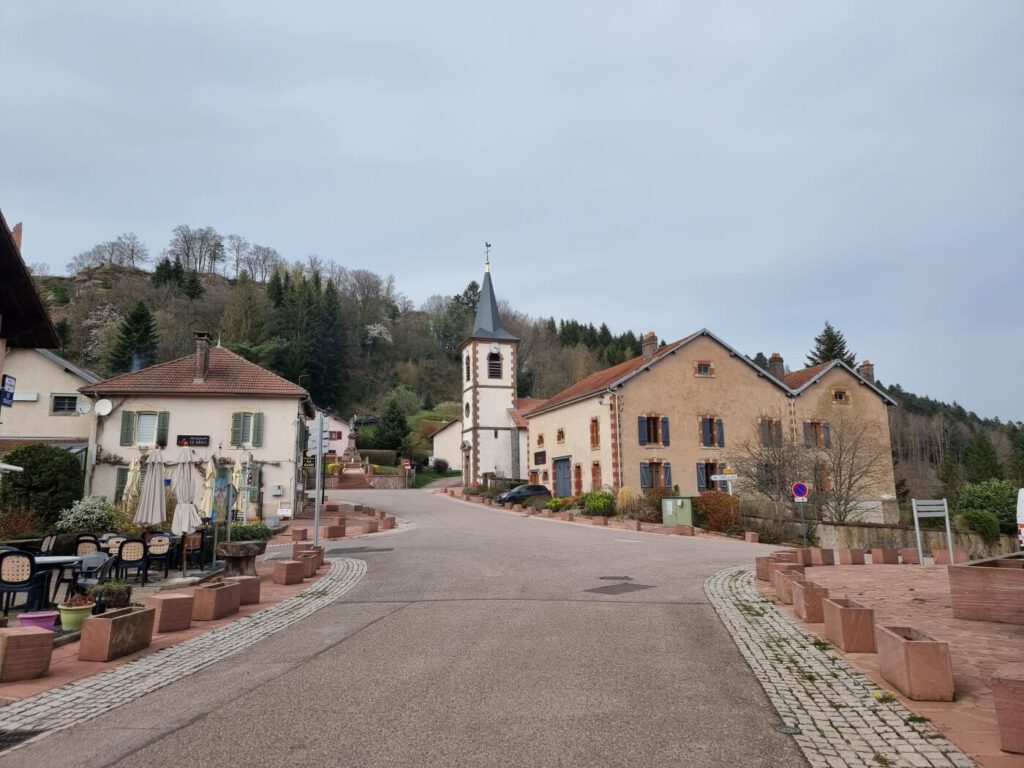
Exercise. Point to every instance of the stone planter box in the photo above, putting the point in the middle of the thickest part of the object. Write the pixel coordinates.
(40, 619)
(379, 515)
(779, 565)
(114, 634)
(332, 507)
(851, 556)
(989, 590)
(545, 513)
(909, 556)
(807, 601)
(941, 556)
(332, 532)
(885, 556)
(240, 556)
(215, 601)
(599, 521)
(288, 572)
(24, 653)
(783, 582)
(761, 567)
(1008, 689)
(821, 556)
(517, 507)
(848, 625)
(803, 555)
(173, 611)
(387, 523)
(916, 665)
(632, 525)
(787, 556)
(250, 585)
(751, 537)
(298, 534)
(566, 517)
(683, 530)
(475, 499)
(309, 564)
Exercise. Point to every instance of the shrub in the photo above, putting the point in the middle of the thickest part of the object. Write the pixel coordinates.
(996, 496)
(251, 532)
(52, 481)
(557, 504)
(982, 522)
(374, 456)
(536, 502)
(628, 503)
(600, 503)
(18, 522)
(717, 511)
(472, 490)
(93, 514)
(649, 509)
(440, 466)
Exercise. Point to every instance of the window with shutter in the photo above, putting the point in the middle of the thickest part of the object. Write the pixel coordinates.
(120, 483)
(145, 429)
(467, 367)
(706, 432)
(808, 435)
(645, 475)
(595, 433)
(719, 433)
(494, 365)
(257, 430)
(595, 476)
(236, 429)
(641, 426)
(666, 471)
(163, 421)
(664, 430)
(127, 427)
(766, 433)
(827, 435)
(702, 478)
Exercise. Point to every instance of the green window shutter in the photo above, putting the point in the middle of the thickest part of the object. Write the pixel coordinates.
(236, 429)
(163, 420)
(254, 489)
(120, 483)
(257, 430)
(127, 427)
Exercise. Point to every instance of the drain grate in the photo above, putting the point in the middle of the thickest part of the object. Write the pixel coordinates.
(14, 737)
(619, 589)
(615, 578)
(792, 730)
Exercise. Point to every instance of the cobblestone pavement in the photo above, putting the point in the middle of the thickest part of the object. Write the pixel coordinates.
(844, 719)
(85, 699)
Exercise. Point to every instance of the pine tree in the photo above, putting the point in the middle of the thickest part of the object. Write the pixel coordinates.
(328, 382)
(980, 459)
(192, 287)
(761, 361)
(135, 346)
(830, 345)
(393, 427)
(163, 273)
(244, 322)
(275, 289)
(951, 479)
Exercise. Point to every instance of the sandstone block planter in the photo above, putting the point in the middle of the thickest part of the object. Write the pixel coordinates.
(24, 653)
(599, 521)
(380, 515)
(319, 554)
(803, 555)
(299, 547)
(309, 564)
(909, 556)
(299, 534)
(761, 567)
(172, 611)
(117, 633)
(1008, 689)
(215, 601)
(821, 556)
(250, 585)
(370, 526)
(779, 565)
(851, 556)
(848, 625)
(989, 590)
(916, 665)
(566, 517)
(387, 523)
(783, 582)
(787, 556)
(751, 537)
(332, 507)
(885, 556)
(332, 532)
(807, 601)
(683, 530)
(941, 556)
(632, 525)
(517, 507)
(288, 572)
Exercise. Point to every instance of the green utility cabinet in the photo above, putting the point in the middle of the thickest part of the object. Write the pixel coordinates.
(676, 510)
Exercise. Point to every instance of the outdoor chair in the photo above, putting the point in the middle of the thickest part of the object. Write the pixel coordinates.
(158, 551)
(195, 545)
(95, 569)
(86, 544)
(18, 573)
(113, 544)
(45, 547)
(131, 555)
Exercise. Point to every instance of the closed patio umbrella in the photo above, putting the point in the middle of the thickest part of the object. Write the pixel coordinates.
(130, 494)
(186, 518)
(209, 480)
(152, 503)
(236, 480)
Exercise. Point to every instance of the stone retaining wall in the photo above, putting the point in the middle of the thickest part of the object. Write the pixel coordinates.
(867, 535)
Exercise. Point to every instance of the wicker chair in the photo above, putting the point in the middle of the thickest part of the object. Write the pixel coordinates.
(18, 573)
(159, 551)
(131, 554)
(86, 544)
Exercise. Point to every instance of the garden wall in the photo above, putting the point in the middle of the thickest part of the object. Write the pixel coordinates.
(867, 535)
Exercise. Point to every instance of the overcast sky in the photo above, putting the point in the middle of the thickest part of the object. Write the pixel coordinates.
(754, 168)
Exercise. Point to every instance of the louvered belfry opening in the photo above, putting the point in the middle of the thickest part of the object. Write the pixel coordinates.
(494, 365)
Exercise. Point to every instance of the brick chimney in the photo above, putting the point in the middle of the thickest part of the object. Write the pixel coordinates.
(867, 370)
(16, 234)
(776, 366)
(649, 344)
(202, 356)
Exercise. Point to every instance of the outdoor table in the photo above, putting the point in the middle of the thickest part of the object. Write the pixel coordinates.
(51, 563)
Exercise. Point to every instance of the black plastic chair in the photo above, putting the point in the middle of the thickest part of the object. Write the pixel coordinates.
(159, 550)
(131, 555)
(45, 546)
(95, 569)
(18, 573)
(86, 544)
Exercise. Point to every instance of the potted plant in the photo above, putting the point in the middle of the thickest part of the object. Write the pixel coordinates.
(74, 612)
(41, 619)
(115, 593)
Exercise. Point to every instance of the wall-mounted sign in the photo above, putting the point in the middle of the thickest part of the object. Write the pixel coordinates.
(7, 391)
(539, 458)
(194, 441)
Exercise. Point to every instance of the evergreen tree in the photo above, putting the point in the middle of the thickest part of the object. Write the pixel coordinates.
(980, 459)
(163, 273)
(328, 382)
(393, 427)
(830, 345)
(275, 289)
(761, 361)
(244, 322)
(192, 287)
(135, 346)
(951, 479)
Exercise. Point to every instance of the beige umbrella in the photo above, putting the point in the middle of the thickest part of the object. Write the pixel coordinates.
(236, 480)
(152, 502)
(186, 518)
(130, 494)
(209, 480)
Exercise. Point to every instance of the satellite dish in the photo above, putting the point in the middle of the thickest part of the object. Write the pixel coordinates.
(104, 407)
(84, 406)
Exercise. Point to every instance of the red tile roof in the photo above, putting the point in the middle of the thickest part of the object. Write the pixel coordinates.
(229, 374)
(524, 404)
(797, 379)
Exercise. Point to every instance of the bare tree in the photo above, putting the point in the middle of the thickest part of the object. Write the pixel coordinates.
(198, 249)
(238, 252)
(768, 463)
(131, 251)
(262, 262)
(125, 251)
(851, 467)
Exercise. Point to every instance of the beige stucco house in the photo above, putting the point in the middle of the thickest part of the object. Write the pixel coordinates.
(217, 404)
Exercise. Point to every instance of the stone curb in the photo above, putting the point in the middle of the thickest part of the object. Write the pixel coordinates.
(74, 703)
(841, 720)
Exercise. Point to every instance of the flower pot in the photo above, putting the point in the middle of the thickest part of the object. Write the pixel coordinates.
(116, 633)
(851, 557)
(807, 597)
(916, 665)
(1008, 689)
(885, 556)
(941, 556)
(41, 619)
(761, 567)
(565, 516)
(778, 565)
(215, 601)
(849, 626)
(599, 521)
(71, 618)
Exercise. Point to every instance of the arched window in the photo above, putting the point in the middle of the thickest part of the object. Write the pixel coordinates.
(494, 365)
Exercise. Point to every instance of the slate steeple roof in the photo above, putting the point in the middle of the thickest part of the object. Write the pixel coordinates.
(488, 324)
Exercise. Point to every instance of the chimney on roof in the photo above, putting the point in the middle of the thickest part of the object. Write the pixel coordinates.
(649, 344)
(776, 366)
(202, 356)
(16, 234)
(867, 370)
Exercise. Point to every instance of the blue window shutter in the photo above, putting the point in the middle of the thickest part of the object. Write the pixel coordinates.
(641, 427)
(765, 433)
(720, 429)
(645, 475)
(808, 435)
(664, 430)
(705, 426)
(667, 473)
(702, 479)
(828, 436)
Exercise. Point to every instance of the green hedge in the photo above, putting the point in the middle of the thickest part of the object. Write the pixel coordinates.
(982, 522)
(379, 456)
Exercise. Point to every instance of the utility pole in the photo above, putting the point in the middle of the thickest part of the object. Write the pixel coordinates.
(318, 446)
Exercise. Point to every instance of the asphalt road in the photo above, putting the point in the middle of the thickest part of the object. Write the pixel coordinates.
(473, 640)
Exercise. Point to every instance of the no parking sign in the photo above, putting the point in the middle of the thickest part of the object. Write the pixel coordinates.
(800, 491)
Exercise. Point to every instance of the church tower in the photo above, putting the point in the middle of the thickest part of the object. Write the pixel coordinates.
(488, 369)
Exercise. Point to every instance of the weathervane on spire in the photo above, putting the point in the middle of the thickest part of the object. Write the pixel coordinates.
(487, 257)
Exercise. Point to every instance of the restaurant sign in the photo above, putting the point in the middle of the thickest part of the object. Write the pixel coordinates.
(194, 441)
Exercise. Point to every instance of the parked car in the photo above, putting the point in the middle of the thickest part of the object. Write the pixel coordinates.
(520, 493)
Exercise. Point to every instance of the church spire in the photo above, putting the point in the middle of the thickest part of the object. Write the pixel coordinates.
(488, 322)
